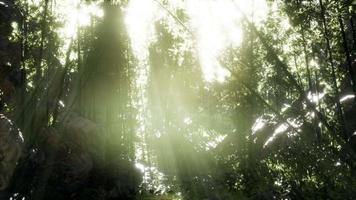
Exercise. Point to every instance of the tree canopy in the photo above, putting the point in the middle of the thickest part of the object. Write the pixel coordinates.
(177, 99)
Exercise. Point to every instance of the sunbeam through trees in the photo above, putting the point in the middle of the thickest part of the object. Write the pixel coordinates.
(177, 99)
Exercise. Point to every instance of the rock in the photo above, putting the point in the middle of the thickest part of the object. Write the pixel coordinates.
(11, 142)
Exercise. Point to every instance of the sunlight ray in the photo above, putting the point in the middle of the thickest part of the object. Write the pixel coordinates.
(218, 25)
(215, 24)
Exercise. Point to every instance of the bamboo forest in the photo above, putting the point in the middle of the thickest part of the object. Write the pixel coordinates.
(177, 99)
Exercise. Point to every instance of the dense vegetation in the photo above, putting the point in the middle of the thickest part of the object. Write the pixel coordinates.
(162, 106)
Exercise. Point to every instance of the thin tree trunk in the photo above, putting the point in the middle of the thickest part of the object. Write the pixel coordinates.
(306, 61)
(319, 130)
(348, 56)
(20, 118)
(38, 63)
(353, 28)
(333, 72)
(79, 68)
(312, 89)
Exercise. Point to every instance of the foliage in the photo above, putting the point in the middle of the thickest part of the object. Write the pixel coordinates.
(104, 119)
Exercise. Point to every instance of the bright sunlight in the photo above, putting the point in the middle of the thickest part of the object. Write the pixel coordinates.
(216, 25)
(177, 99)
